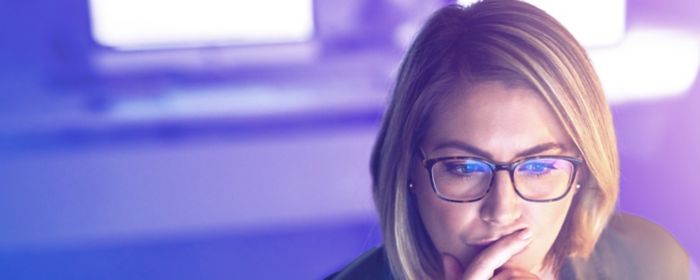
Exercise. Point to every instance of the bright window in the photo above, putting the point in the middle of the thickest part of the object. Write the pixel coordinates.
(593, 22)
(147, 24)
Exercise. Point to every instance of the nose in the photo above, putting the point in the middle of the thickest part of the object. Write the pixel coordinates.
(501, 204)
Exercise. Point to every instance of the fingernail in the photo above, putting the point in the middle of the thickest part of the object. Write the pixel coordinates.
(525, 234)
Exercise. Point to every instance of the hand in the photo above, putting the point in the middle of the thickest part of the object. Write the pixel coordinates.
(487, 265)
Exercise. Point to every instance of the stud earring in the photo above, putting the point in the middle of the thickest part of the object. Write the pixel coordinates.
(578, 186)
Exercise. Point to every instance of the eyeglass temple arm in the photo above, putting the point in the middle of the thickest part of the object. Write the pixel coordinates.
(424, 158)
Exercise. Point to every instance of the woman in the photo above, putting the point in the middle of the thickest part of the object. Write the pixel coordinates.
(497, 159)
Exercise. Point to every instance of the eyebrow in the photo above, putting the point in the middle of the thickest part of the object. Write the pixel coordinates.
(539, 148)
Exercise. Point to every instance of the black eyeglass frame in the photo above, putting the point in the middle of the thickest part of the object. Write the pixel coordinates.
(495, 167)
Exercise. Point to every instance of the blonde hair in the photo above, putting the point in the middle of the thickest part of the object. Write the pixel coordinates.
(510, 42)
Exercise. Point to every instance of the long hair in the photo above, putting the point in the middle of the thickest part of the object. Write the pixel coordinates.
(511, 42)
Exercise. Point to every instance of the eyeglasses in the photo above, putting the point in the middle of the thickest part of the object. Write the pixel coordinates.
(469, 179)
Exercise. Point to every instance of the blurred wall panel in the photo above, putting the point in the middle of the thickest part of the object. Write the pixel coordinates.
(74, 197)
(659, 151)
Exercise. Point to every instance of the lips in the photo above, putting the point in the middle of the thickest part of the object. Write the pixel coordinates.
(485, 242)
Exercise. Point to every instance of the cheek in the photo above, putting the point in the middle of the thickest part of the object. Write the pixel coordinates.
(546, 220)
(549, 218)
(446, 223)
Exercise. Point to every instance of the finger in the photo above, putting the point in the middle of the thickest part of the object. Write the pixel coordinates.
(511, 274)
(452, 268)
(496, 255)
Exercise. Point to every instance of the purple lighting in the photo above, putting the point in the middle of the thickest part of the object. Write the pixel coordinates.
(136, 143)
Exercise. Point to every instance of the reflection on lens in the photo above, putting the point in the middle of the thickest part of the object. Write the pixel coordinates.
(461, 179)
(543, 178)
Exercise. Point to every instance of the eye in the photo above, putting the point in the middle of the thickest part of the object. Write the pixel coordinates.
(466, 168)
(537, 167)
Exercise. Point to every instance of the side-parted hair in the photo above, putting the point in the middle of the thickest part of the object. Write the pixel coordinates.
(511, 42)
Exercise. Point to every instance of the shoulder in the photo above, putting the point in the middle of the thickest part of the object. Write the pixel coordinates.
(639, 235)
(373, 264)
(642, 248)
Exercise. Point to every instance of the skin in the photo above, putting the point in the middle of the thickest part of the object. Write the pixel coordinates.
(502, 123)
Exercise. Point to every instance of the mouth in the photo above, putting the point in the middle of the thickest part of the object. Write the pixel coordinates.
(485, 242)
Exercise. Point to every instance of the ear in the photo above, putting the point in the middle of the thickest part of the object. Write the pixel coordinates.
(581, 178)
(416, 164)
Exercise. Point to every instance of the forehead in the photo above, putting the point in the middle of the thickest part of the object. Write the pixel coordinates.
(499, 119)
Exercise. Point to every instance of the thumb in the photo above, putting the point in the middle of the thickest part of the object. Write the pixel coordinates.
(452, 268)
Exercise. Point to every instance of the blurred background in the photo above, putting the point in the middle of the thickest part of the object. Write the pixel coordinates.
(231, 139)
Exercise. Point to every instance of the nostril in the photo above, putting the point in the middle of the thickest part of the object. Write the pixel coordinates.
(500, 206)
(503, 218)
